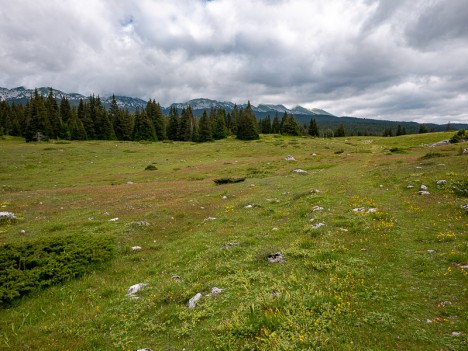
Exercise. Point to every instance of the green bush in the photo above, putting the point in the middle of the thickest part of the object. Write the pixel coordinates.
(35, 264)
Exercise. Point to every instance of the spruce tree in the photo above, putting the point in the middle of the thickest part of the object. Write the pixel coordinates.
(313, 128)
(289, 125)
(143, 128)
(340, 132)
(187, 125)
(76, 128)
(205, 133)
(173, 124)
(124, 126)
(56, 130)
(220, 131)
(84, 114)
(247, 125)
(38, 125)
(158, 121)
(275, 126)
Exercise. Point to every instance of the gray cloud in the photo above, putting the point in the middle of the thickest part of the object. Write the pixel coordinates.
(401, 60)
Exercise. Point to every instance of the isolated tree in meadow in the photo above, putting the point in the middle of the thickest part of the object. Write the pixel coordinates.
(204, 126)
(143, 128)
(313, 128)
(247, 125)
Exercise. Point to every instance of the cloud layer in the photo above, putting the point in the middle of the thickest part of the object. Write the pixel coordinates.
(400, 59)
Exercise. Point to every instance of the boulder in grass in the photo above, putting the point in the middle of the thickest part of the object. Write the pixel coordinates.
(276, 257)
(464, 207)
(289, 158)
(136, 288)
(7, 217)
(300, 171)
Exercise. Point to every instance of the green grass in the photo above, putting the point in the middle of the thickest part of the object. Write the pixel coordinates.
(360, 281)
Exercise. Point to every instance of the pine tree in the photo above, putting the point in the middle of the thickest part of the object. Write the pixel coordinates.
(187, 125)
(247, 125)
(106, 130)
(220, 131)
(158, 120)
(205, 133)
(283, 121)
(289, 125)
(124, 126)
(76, 128)
(38, 125)
(234, 119)
(400, 130)
(275, 126)
(313, 128)
(56, 130)
(84, 114)
(143, 128)
(266, 125)
(423, 129)
(340, 132)
(173, 124)
(114, 112)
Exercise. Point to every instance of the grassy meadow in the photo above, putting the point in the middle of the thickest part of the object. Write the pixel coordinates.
(386, 277)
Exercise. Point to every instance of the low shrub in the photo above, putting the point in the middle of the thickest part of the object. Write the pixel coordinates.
(26, 266)
(151, 168)
(228, 180)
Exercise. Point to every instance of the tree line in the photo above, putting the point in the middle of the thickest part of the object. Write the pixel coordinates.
(43, 118)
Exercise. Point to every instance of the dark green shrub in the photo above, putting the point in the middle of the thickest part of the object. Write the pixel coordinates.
(228, 180)
(44, 262)
(151, 168)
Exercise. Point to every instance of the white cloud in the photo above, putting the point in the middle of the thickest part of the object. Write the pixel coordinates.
(401, 60)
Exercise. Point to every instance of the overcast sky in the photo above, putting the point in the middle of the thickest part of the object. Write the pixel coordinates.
(387, 59)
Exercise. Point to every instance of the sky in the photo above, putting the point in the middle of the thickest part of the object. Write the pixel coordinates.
(404, 60)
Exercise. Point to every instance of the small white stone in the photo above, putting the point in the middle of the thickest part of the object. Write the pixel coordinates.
(359, 209)
(424, 193)
(224, 197)
(442, 181)
(423, 187)
(371, 210)
(215, 290)
(456, 333)
(135, 288)
(209, 219)
(136, 248)
(192, 302)
(274, 229)
(300, 171)
(248, 206)
(22, 231)
(289, 158)
(410, 186)
(317, 208)
(318, 225)
(114, 219)
(129, 183)
(430, 251)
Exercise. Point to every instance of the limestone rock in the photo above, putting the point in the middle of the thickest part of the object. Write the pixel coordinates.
(300, 171)
(424, 192)
(7, 216)
(193, 301)
(276, 257)
(135, 288)
(289, 158)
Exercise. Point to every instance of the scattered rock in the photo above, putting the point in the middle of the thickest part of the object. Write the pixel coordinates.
(444, 303)
(130, 183)
(136, 248)
(114, 219)
(176, 278)
(274, 229)
(252, 185)
(423, 187)
(456, 333)
(465, 152)
(224, 197)
(193, 301)
(276, 257)
(317, 208)
(22, 231)
(142, 223)
(135, 288)
(441, 143)
(343, 229)
(371, 210)
(314, 154)
(228, 245)
(410, 186)
(289, 158)
(7, 216)
(424, 193)
(442, 181)
(464, 266)
(359, 209)
(300, 171)
(144, 349)
(209, 219)
(215, 290)
(248, 206)
(464, 207)
(315, 191)
(428, 321)
(106, 213)
(318, 225)
(430, 251)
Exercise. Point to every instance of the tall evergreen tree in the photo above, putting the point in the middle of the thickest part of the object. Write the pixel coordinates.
(247, 125)
(76, 128)
(143, 128)
(56, 130)
(276, 126)
(158, 120)
(124, 126)
(220, 131)
(290, 125)
(114, 112)
(340, 132)
(173, 124)
(265, 125)
(205, 133)
(84, 114)
(38, 125)
(313, 128)
(187, 125)
(423, 129)
(234, 119)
